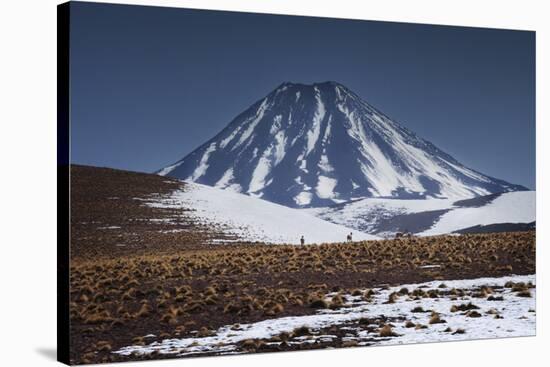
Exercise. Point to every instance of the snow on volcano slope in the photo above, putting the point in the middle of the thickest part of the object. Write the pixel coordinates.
(511, 207)
(253, 219)
(385, 217)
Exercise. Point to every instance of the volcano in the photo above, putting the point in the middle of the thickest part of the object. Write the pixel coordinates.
(321, 144)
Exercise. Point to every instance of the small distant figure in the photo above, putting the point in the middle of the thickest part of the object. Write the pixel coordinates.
(350, 237)
(399, 235)
(302, 240)
(406, 234)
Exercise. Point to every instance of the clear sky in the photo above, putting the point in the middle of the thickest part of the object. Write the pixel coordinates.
(150, 84)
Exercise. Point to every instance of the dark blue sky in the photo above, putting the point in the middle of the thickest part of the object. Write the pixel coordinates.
(150, 84)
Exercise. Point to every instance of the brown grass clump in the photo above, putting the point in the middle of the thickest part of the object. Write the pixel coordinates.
(519, 287)
(387, 331)
(210, 291)
(436, 319)
(127, 296)
(336, 302)
(231, 307)
(103, 346)
(418, 293)
(464, 307)
(98, 318)
(194, 307)
(418, 309)
(276, 309)
(169, 319)
(349, 343)
(252, 344)
(301, 331)
(284, 336)
(204, 331)
(505, 268)
(483, 292)
(473, 313)
(145, 310)
(369, 293)
(433, 293)
(318, 303)
(356, 292)
(392, 297)
(409, 324)
(524, 293)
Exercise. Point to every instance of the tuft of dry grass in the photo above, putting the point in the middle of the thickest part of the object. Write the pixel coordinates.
(336, 302)
(418, 309)
(387, 331)
(404, 291)
(473, 313)
(103, 346)
(301, 331)
(410, 324)
(524, 293)
(436, 319)
(318, 303)
(356, 292)
(464, 307)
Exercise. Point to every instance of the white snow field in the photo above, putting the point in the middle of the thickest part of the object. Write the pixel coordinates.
(511, 207)
(516, 317)
(254, 219)
(366, 214)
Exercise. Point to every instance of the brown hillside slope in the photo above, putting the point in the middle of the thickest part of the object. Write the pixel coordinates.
(109, 216)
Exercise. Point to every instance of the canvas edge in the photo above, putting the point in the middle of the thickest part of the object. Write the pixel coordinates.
(63, 177)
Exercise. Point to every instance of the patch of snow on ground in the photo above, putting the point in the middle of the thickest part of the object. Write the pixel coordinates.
(254, 219)
(511, 207)
(517, 318)
(366, 213)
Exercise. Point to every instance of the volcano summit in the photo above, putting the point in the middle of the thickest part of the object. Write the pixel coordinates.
(321, 144)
